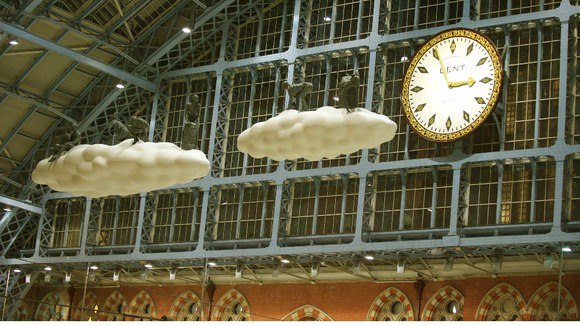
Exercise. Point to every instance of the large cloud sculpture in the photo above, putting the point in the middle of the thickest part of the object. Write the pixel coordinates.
(327, 132)
(101, 170)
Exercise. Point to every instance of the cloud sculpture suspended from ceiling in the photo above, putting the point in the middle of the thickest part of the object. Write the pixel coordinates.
(101, 170)
(327, 132)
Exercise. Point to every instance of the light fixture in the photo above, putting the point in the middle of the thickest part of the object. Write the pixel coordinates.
(401, 266)
(314, 270)
(566, 249)
(17, 270)
(47, 277)
(172, 273)
(148, 266)
(212, 263)
(94, 267)
(12, 40)
(67, 277)
(548, 261)
(186, 30)
(120, 85)
(404, 58)
(327, 19)
(356, 269)
(369, 257)
(116, 276)
(48, 268)
(284, 261)
(496, 262)
(239, 271)
(336, 98)
(448, 266)
(7, 209)
(27, 278)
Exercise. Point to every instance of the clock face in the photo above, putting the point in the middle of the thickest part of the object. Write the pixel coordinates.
(452, 85)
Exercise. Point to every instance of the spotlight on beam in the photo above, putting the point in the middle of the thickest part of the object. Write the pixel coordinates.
(7, 209)
(120, 85)
(401, 266)
(116, 276)
(448, 266)
(566, 249)
(27, 278)
(17, 270)
(548, 261)
(67, 277)
(239, 271)
(496, 262)
(186, 30)
(172, 273)
(314, 270)
(12, 40)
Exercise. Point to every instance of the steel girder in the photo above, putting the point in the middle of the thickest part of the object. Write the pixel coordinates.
(57, 48)
(559, 151)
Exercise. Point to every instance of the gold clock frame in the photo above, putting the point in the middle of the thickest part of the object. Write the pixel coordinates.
(498, 82)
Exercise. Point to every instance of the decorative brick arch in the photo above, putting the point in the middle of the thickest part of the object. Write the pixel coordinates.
(543, 293)
(111, 305)
(225, 304)
(51, 308)
(90, 302)
(307, 311)
(23, 313)
(439, 298)
(493, 295)
(386, 298)
(181, 304)
(140, 303)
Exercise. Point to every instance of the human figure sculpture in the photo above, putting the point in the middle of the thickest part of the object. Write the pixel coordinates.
(120, 131)
(138, 129)
(65, 141)
(348, 92)
(298, 92)
(190, 127)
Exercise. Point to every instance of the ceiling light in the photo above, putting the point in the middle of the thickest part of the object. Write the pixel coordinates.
(27, 278)
(148, 266)
(369, 257)
(327, 19)
(401, 266)
(48, 268)
(17, 270)
(239, 271)
(284, 261)
(116, 275)
(172, 273)
(186, 30)
(94, 267)
(67, 277)
(336, 98)
(120, 85)
(404, 58)
(12, 40)
(7, 209)
(212, 263)
(566, 249)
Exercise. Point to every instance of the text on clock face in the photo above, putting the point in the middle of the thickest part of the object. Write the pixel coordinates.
(452, 69)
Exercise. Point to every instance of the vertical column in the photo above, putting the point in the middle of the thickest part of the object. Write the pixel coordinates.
(316, 181)
(44, 233)
(403, 199)
(455, 201)
(85, 225)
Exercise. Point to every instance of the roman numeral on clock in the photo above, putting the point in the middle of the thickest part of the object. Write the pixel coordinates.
(469, 49)
(448, 123)
(420, 107)
(417, 89)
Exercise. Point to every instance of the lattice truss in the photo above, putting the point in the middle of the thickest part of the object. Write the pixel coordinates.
(509, 175)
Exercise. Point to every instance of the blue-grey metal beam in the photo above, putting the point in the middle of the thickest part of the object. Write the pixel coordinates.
(106, 68)
(20, 204)
(207, 15)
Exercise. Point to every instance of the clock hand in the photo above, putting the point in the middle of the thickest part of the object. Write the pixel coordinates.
(469, 82)
(443, 68)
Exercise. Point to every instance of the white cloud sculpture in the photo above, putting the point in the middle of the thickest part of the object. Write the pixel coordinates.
(327, 132)
(123, 169)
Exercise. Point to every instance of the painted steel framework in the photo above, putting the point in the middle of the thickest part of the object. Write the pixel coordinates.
(348, 207)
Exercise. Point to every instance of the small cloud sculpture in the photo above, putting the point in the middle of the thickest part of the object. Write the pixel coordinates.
(100, 170)
(327, 132)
